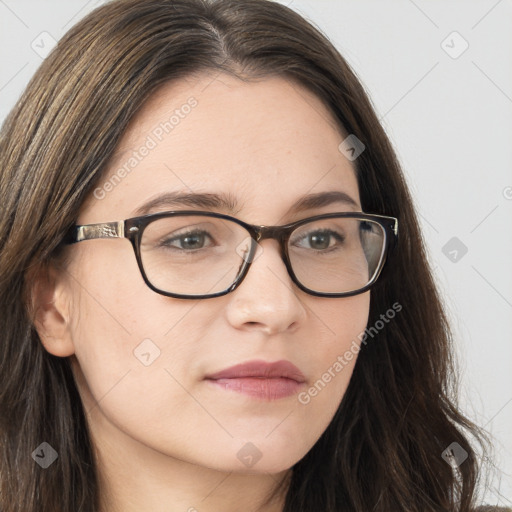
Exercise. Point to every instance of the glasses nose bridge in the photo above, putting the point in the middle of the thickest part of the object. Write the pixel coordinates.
(279, 233)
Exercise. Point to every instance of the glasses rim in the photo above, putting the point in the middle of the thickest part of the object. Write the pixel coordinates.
(133, 228)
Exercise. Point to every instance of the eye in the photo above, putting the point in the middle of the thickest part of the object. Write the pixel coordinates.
(189, 241)
(367, 226)
(319, 239)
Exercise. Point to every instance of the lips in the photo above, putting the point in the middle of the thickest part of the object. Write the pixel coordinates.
(261, 369)
(260, 379)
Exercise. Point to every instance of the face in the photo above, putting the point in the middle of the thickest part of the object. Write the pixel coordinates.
(141, 359)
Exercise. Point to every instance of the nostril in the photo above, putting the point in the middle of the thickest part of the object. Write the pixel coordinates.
(252, 323)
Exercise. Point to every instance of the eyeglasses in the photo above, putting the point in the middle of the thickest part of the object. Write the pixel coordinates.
(199, 255)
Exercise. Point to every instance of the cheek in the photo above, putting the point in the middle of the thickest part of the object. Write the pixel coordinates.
(343, 322)
(333, 357)
(113, 301)
(133, 349)
(122, 330)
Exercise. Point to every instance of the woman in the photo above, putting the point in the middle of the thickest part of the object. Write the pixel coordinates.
(208, 363)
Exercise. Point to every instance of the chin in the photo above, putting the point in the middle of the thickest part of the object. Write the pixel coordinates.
(257, 456)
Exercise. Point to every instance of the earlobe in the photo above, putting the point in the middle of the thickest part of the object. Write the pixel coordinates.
(50, 311)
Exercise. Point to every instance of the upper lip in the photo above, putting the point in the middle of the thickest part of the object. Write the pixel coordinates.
(261, 369)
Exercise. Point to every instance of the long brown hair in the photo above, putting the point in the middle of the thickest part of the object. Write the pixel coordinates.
(383, 449)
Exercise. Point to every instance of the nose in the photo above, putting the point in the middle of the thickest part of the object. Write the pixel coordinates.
(267, 299)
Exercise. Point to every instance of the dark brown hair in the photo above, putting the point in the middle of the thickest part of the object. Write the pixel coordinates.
(382, 451)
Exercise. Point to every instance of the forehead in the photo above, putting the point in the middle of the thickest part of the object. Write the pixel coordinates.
(265, 143)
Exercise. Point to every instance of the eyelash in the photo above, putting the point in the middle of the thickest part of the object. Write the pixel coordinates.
(333, 234)
(329, 232)
(166, 242)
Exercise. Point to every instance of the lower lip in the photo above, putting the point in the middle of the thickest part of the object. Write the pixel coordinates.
(265, 389)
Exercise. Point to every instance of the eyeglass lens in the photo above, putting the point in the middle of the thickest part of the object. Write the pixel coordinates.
(199, 255)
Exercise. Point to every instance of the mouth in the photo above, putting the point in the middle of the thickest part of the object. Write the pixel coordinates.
(260, 379)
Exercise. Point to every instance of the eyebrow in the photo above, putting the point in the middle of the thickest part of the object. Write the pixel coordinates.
(228, 202)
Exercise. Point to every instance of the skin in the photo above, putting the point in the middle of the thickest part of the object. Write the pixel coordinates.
(165, 438)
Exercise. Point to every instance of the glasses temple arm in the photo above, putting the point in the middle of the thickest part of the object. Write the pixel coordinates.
(101, 230)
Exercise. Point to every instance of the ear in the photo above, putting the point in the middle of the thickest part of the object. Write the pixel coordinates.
(50, 310)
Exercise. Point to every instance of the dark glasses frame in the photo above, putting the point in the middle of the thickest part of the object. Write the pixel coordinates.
(134, 227)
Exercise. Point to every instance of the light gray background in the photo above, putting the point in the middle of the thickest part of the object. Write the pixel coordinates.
(448, 113)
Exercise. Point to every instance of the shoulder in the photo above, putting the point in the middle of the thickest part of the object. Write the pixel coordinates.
(490, 508)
